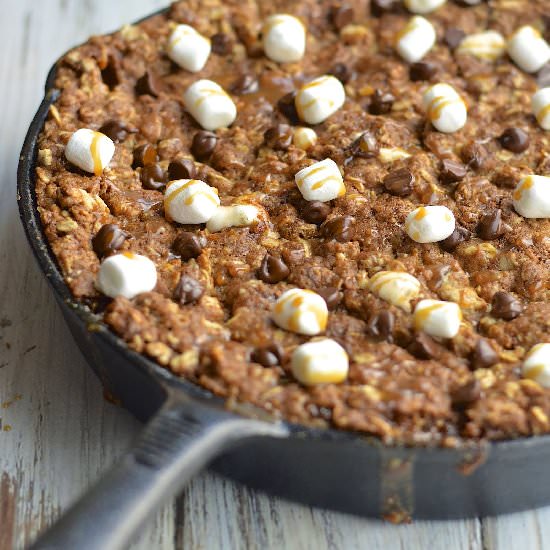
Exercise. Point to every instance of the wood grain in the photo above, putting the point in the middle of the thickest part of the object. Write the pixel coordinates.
(57, 433)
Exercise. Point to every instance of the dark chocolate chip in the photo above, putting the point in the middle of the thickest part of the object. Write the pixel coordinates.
(381, 103)
(341, 15)
(147, 85)
(458, 236)
(144, 155)
(268, 356)
(273, 270)
(474, 155)
(153, 177)
(188, 245)
(189, 290)
(423, 346)
(490, 226)
(278, 137)
(543, 76)
(381, 325)
(422, 70)
(484, 355)
(515, 140)
(380, 7)
(506, 306)
(340, 228)
(452, 171)
(453, 37)
(287, 107)
(331, 295)
(182, 169)
(108, 239)
(399, 182)
(245, 84)
(203, 145)
(111, 73)
(342, 72)
(466, 394)
(221, 43)
(365, 146)
(115, 130)
(316, 212)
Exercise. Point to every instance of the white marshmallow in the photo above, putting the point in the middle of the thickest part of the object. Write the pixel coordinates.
(284, 38)
(396, 287)
(304, 138)
(540, 104)
(321, 181)
(319, 99)
(209, 105)
(489, 45)
(532, 197)
(190, 201)
(301, 311)
(437, 318)
(430, 224)
(423, 6)
(536, 365)
(90, 151)
(321, 362)
(188, 48)
(127, 275)
(416, 39)
(445, 108)
(528, 49)
(239, 215)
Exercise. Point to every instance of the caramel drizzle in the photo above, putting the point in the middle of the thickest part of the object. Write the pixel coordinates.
(420, 317)
(189, 200)
(94, 151)
(181, 34)
(384, 278)
(325, 377)
(438, 104)
(411, 26)
(302, 107)
(534, 372)
(129, 255)
(277, 20)
(321, 183)
(543, 113)
(207, 93)
(528, 182)
(300, 306)
(491, 50)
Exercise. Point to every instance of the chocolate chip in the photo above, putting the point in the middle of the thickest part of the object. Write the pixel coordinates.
(147, 85)
(189, 290)
(268, 356)
(188, 245)
(203, 145)
(490, 226)
(506, 306)
(115, 130)
(459, 235)
(287, 107)
(484, 355)
(422, 70)
(316, 212)
(341, 15)
(365, 146)
(515, 140)
(474, 155)
(245, 84)
(111, 74)
(273, 270)
(543, 76)
(381, 103)
(453, 37)
(342, 72)
(380, 7)
(423, 346)
(452, 171)
(278, 137)
(182, 169)
(108, 239)
(221, 43)
(399, 182)
(153, 177)
(466, 394)
(331, 295)
(144, 155)
(340, 228)
(381, 325)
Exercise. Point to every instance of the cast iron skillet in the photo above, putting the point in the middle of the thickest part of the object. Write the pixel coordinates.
(189, 428)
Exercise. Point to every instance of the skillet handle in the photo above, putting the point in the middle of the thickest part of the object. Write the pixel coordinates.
(176, 444)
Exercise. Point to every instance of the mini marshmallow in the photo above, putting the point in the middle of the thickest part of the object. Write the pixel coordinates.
(416, 39)
(239, 215)
(209, 105)
(301, 311)
(284, 38)
(437, 318)
(430, 224)
(528, 49)
(446, 110)
(304, 138)
(540, 104)
(321, 362)
(536, 365)
(488, 45)
(190, 201)
(127, 275)
(423, 6)
(321, 181)
(531, 197)
(319, 99)
(90, 151)
(188, 48)
(396, 287)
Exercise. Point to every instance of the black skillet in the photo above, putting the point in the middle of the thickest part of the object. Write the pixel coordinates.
(189, 428)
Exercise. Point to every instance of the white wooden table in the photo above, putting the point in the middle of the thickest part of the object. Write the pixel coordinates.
(57, 433)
